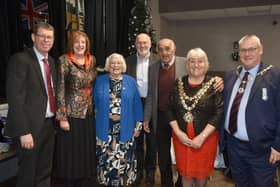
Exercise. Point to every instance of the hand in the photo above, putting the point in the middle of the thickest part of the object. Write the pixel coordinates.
(26, 141)
(198, 141)
(146, 126)
(219, 84)
(184, 139)
(136, 133)
(274, 156)
(64, 125)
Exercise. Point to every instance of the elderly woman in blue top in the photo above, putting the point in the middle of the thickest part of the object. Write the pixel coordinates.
(119, 119)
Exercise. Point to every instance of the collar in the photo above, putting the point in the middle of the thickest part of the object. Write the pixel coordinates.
(252, 72)
(39, 55)
(170, 63)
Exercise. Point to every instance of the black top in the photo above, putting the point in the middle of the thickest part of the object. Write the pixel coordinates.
(208, 110)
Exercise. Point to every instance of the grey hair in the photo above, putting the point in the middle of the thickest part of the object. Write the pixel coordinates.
(115, 55)
(250, 36)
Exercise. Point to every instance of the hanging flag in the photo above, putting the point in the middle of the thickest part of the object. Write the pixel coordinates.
(33, 11)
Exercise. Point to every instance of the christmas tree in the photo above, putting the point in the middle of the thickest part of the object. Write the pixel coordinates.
(140, 21)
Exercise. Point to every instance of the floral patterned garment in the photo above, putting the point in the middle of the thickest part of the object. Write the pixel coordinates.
(74, 88)
(116, 160)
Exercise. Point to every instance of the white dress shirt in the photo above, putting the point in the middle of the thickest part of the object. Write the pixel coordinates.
(142, 75)
(40, 58)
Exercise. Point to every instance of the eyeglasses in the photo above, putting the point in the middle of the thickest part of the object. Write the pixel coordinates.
(249, 50)
(44, 37)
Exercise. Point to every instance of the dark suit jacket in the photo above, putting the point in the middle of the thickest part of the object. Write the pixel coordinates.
(26, 94)
(151, 104)
(131, 63)
(262, 116)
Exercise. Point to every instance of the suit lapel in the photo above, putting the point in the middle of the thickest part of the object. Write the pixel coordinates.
(37, 68)
(53, 71)
(229, 87)
(134, 66)
(152, 59)
(177, 69)
(156, 73)
(257, 84)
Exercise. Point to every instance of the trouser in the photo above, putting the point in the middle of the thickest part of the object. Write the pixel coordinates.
(35, 164)
(163, 137)
(248, 167)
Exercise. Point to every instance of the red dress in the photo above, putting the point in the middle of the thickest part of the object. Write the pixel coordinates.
(195, 163)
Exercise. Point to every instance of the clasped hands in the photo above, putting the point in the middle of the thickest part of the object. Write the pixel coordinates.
(195, 143)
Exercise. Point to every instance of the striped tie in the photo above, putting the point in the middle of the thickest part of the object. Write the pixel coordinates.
(236, 103)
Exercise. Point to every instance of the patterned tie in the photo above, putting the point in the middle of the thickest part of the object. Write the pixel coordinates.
(49, 85)
(236, 103)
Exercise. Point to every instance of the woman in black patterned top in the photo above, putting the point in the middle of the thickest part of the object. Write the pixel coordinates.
(75, 143)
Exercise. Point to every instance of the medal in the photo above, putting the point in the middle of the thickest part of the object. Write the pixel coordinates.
(264, 94)
(188, 117)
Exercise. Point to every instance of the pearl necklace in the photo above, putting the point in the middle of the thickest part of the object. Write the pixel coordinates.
(188, 117)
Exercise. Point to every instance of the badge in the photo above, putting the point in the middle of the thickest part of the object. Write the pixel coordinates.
(240, 90)
(264, 94)
(188, 117)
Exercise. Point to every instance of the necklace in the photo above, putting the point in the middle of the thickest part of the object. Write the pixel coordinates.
(261, 73)
(188, 117)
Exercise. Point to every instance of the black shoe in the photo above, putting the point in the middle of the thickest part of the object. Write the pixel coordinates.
(139, 177)
(150, 178)
(179, 182)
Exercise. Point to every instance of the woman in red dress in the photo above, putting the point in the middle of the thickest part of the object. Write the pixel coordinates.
(195, 111)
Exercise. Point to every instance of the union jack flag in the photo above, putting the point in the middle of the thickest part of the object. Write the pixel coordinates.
(33, 11)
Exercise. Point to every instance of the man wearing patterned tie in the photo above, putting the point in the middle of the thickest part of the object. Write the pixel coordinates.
(251, 131)
(30, 94)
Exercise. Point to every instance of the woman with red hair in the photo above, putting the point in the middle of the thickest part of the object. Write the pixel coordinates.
(75, 139)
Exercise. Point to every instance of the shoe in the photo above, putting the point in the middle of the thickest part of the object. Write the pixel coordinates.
(150, 178)
(139, 177)
(179, 181)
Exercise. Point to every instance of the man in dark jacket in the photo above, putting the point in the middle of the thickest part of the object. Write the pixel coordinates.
(30, 93)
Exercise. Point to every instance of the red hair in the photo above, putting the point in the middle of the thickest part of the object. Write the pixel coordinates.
(74, 36)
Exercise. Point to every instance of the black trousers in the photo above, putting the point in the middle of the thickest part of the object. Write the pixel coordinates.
(35, 164)
(147, 161)
(163, 137)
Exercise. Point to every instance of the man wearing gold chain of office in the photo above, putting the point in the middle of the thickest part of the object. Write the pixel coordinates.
(252, 117)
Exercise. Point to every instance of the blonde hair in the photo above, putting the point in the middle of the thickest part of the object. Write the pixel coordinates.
(200, 53)
(115, 55)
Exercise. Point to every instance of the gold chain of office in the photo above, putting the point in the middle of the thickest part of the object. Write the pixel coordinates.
(261, 73)
(188, 117)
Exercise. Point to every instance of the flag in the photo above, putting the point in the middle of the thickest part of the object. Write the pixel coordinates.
(33, 11)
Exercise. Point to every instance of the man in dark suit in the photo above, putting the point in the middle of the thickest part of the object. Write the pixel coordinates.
(138, 67)
(162, 75)
(252, 117)
(30, 95)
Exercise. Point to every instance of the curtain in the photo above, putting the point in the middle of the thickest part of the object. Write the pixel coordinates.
(106, 23)
(57, 18)
(10, 36)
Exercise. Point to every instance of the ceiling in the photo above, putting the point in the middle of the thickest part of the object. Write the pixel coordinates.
(195, 11)
(223, 13)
